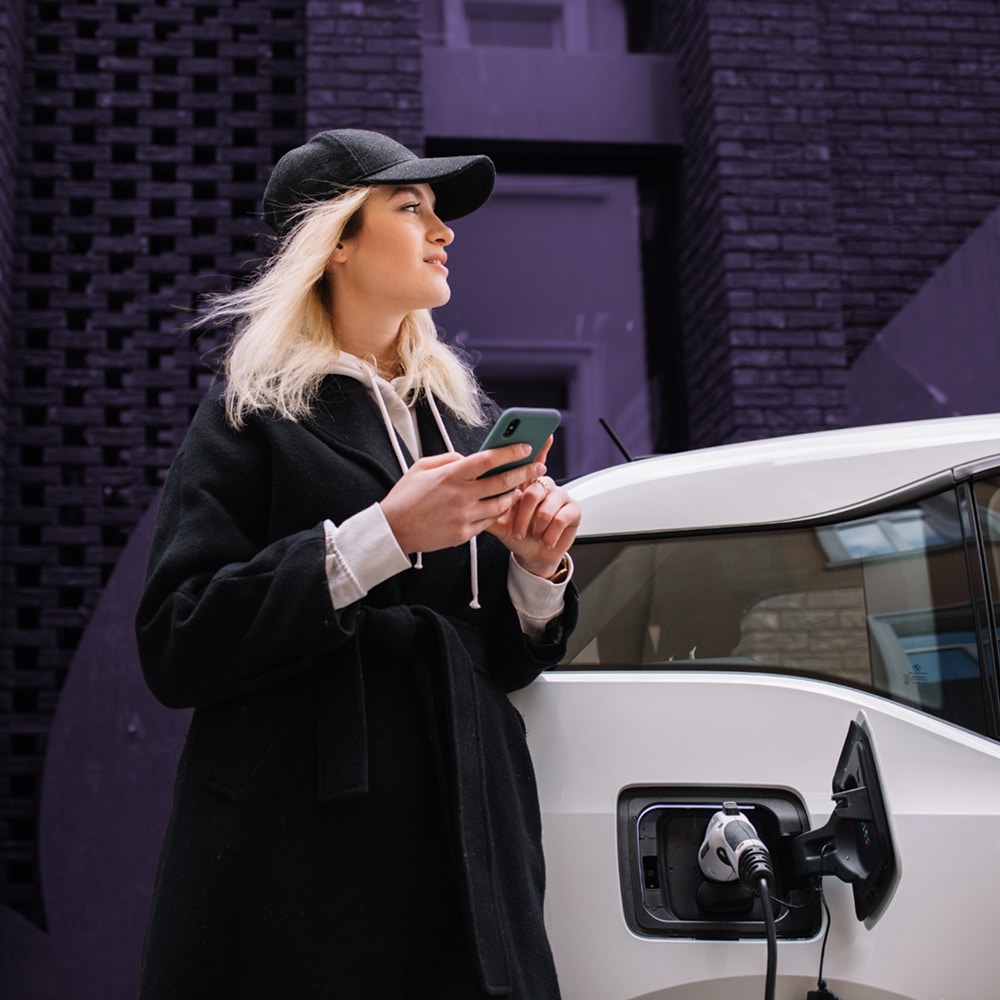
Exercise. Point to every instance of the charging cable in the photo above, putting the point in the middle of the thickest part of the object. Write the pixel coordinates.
(732, 851)
(822, 992)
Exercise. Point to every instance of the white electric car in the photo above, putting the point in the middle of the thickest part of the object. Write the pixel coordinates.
(802, 631)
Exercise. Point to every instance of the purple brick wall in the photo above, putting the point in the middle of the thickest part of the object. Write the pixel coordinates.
(914, 122)
(760, 281)
(363, 68)
(835, 155)
(146, 134)
(15, 824)
(11, 45)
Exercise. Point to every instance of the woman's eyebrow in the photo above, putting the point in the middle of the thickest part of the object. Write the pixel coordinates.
(411, 192)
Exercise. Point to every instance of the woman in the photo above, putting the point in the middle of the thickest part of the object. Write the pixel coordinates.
(346, 604)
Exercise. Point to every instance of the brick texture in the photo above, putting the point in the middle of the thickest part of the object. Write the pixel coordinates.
(914, 120)
(363, 68)
(11, 46)
(142, 136)
(835, 155)
(146, 134)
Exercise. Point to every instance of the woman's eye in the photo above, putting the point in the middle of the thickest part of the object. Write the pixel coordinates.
(415, 207)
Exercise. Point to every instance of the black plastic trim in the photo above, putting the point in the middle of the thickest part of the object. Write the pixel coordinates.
(664, 894)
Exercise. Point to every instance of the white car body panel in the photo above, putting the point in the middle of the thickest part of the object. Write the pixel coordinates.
(654, 729)
(778, 479)
(593, 733)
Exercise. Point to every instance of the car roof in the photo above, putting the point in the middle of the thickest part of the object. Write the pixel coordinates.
(780, 479)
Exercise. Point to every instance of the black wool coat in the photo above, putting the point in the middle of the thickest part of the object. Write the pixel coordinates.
(355, 796)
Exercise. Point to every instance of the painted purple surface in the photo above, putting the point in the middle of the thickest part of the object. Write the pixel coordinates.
(538, 95)
(940, 355)
(105, 798)
(547, 294)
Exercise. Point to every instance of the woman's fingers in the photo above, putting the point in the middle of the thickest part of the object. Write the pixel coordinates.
(482, 463)
(541, 526)
(542, 512)
(440, 501)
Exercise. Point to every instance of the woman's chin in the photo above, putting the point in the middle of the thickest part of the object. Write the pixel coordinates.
(443, 299)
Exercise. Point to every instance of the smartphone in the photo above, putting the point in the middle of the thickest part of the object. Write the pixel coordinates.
(518, 425)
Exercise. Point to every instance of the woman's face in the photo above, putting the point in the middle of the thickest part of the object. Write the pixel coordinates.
(396, 261)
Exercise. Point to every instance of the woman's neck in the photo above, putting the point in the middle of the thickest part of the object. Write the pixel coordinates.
(387, 367)
(373, 338)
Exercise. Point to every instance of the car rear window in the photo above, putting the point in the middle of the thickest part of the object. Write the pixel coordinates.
(880, 602)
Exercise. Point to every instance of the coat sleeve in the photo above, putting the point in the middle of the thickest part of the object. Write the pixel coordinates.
(226, 610)
(516, 660)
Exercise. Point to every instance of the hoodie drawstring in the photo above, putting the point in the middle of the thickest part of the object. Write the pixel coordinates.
(473, 544)
(403, 465)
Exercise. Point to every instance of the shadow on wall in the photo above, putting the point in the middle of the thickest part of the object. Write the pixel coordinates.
(105, 799)
(940, 355)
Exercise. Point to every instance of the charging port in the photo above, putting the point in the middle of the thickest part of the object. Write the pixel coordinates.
(664, 890)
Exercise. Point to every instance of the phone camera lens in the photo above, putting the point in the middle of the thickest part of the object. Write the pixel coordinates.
(511, 427)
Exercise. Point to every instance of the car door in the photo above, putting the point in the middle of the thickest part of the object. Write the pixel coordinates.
(740, 665)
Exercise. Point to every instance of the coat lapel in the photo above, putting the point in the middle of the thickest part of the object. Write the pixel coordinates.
(347, 419)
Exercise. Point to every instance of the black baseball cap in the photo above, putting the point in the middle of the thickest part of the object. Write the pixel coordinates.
(332, 162)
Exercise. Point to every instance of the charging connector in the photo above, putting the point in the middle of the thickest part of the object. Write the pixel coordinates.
(733, 851)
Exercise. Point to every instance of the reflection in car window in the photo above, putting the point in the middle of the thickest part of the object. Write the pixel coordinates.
(880, 603)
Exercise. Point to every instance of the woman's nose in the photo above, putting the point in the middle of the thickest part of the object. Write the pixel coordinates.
(442, 234)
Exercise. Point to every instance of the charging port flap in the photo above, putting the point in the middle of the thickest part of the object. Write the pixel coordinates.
(670, 886)
(856, 843)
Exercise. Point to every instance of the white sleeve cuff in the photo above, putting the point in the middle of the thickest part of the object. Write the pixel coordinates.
(536, 600)
(361, 553)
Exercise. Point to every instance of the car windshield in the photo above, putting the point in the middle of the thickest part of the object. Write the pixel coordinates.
(881, 603)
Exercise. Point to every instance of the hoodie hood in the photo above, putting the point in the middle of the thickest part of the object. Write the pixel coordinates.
(397, 415)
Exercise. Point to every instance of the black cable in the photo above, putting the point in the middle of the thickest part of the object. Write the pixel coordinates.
(822, 992)
(820, 982)
(785, 905)
(757, 874)
(772, 938)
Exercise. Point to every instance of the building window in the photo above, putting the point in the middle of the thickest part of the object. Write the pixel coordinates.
(557, 25)
(515, 25)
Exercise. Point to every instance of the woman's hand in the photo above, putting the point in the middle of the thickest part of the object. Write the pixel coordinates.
(440, 501)
(540, 527)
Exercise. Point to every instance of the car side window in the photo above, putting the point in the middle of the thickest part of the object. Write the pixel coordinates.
(880, 602)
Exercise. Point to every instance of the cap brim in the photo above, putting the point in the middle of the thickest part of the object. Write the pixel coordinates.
(461, 183)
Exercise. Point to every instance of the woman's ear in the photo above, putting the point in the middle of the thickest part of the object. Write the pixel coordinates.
(339, 255)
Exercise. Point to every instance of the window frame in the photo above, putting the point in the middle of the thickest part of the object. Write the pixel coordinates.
(982, 601)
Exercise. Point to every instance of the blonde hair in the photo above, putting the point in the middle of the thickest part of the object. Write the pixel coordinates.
(284, 341)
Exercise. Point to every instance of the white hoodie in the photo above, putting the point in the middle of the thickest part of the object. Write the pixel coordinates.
(362, 551)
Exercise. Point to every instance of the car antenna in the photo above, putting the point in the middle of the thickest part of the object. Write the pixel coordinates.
(614, 437)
